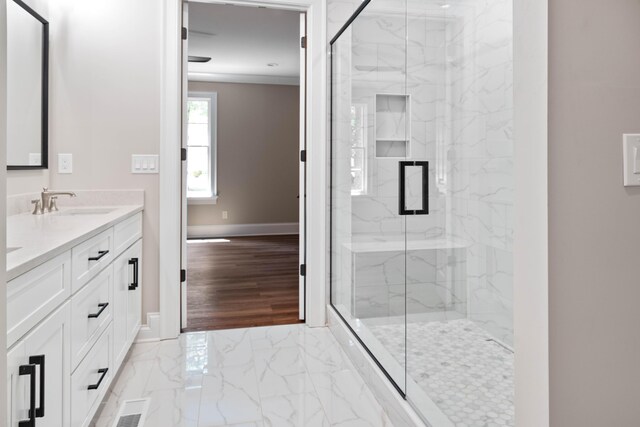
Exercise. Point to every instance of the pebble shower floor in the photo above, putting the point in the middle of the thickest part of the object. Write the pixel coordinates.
(462, 369)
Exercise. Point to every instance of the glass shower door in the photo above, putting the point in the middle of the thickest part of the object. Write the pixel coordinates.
(422, 200)
(370, 139)
(459, 257)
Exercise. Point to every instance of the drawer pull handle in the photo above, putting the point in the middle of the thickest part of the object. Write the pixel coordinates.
(100, 255)
(96, 385)
(103, 306)
(31, 371)
(39, 361)
(133, 286)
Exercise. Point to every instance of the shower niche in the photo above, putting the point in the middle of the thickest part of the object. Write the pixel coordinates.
(392, 130)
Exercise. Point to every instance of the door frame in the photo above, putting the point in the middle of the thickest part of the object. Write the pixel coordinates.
(3, 206)
(302, 171)
(171, 168)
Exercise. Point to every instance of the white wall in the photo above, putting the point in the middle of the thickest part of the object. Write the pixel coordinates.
(3, 231)
(27, 181)
(104, 105)
(531, 324)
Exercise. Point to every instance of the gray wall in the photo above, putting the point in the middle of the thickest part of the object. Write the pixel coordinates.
(257, 155)
(594, 235)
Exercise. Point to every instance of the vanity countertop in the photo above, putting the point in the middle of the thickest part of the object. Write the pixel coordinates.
(34, 239)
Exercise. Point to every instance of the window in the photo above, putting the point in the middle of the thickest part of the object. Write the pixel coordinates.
(201, 147)
(358, 149)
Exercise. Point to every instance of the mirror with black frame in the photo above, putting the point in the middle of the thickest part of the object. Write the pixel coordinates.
(27, 87)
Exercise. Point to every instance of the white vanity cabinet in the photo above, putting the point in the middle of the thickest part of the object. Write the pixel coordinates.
(71, 322)
(41, 359)
(127, 299)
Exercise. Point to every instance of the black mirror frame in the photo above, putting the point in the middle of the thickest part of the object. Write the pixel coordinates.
(44, 164)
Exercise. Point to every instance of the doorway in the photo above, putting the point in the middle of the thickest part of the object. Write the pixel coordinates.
(244, 178)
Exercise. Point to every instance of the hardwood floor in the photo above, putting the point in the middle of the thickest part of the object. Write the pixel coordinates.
(248, 281)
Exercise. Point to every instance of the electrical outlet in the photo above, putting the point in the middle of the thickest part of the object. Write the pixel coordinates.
(65, 163)
(225, 215)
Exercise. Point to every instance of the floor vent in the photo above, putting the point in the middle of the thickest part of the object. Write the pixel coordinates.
(132, 413)
(129, 421)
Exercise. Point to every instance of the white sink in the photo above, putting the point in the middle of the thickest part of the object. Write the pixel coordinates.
(86, 211)
(11, 249)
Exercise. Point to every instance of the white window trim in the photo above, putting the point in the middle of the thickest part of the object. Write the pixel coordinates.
(366, 163)
(213, 149)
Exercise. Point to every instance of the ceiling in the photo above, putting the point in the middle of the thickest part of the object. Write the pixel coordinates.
(242, 41)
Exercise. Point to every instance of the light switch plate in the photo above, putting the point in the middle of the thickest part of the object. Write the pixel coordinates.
(144, 163)
(65, 163)
(631, 159)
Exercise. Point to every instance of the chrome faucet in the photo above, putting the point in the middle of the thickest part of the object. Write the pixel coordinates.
(47, 203)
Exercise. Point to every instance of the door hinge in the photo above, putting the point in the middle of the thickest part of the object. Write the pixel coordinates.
(183, 154)
(303, 155)
(185, 33)
(183, 275)
(303, 42)
(303, 269)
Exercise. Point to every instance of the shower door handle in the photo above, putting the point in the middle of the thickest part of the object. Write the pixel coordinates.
(424, 210)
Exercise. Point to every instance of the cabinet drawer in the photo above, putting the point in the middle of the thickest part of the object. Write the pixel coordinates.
(127, 232)
(89, 257)
(91, 312)
(35, 294)
(90, 381)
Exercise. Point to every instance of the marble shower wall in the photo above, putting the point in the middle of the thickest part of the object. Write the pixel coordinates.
(455, 63)
(398, 54)
(384, 63)
(480, 179)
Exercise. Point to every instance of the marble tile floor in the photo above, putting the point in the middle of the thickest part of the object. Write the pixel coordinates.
(271, 376)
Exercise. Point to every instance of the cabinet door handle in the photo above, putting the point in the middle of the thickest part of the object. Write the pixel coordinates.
(31, 371)
(100, 255)
(133, 286)
(95, 386)
(103, 306)
(39, 361)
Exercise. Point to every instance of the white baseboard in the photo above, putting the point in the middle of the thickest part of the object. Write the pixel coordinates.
(230, 230)
(151, 331)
